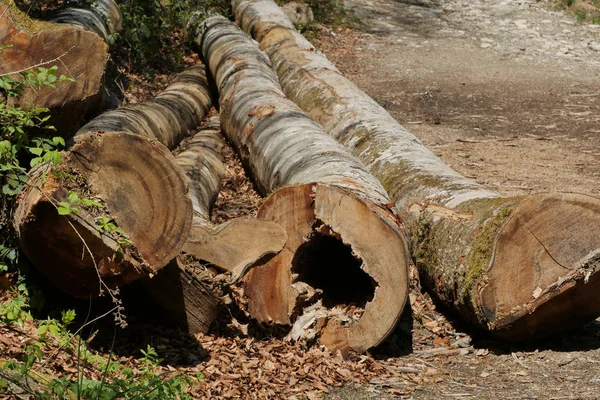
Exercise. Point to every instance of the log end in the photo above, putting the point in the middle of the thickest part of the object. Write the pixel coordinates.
(79, 54)
(544, 275)
(342, 275)
(141, 189)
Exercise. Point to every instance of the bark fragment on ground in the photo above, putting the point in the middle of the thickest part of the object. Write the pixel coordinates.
(79, 55)
(319, 194)
(505, 264)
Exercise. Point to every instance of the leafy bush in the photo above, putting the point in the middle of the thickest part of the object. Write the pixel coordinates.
(154, 30)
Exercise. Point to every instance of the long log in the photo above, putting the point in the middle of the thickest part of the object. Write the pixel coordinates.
(344, 244)
(193, 299)
(519, 267)
(79, 54)
(141, 186)
(237, 244)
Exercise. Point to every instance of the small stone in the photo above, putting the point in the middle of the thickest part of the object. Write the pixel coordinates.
(594, 46)
(485, 45)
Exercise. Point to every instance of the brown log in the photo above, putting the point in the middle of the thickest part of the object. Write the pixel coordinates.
(344, 245)
(519, 267)
(143, 191)
(79, 54)
(193, 301)
(142, 187)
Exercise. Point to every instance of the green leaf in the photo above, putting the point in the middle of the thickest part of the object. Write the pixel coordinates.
(73, 197)
(36, 150)
(58, 141)
(63, 211)
(35, 161)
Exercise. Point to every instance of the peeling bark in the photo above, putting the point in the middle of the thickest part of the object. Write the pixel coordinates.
(519, 267)
(321, 195)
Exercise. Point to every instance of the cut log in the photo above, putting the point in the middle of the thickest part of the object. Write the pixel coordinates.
(142, 187)
(235, 245)
(143, 191)
(344, 245)
(103, 17)
(193, 300)
(79, 54)
(519, 267)
(166, 118)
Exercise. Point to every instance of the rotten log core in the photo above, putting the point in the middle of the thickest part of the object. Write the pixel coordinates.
(327, 264)
(521, 268)
(318, 193)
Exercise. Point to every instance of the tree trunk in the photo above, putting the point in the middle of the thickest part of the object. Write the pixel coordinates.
(344, 245)
(141, 189)
(192, 300)
(235, 245)
(103, 17)
(520, 267)
(79, 54)
(141, 186)
(166, 118)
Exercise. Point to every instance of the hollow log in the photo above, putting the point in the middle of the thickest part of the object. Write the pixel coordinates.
(79, 54)
(103, 17)
(344, 245)
(518, 267)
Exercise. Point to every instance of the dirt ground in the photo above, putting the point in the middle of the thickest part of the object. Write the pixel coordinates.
(507, 93)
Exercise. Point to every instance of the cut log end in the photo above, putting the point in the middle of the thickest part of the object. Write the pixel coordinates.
(544, 274)
(342, 275)
(141, 189)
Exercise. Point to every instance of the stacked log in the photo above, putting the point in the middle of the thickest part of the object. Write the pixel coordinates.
(519, 267)
(79, 54)
(344, 244)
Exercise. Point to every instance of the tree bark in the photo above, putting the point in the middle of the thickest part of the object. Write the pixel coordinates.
(79, 54)
(519, 267)
(103, 17)
(334, 212)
